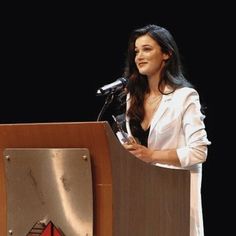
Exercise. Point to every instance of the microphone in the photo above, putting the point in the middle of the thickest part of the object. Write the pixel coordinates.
(120, 83)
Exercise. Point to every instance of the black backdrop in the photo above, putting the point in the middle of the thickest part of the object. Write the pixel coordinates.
(56, 57)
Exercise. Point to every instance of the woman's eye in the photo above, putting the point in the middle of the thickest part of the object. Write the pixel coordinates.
(146, 49)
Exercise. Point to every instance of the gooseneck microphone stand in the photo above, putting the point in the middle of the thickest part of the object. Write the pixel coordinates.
(108, 101)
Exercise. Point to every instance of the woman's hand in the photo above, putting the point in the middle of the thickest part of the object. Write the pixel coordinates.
(140, 151)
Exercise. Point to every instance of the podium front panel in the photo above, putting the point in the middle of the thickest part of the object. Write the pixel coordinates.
(49, 186)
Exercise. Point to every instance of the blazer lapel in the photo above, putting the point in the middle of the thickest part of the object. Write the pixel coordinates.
(163, 107)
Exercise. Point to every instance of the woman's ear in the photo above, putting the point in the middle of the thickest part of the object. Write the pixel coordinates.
(166, 56)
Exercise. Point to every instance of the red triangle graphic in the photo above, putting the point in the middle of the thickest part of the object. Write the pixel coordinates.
(50, 230)
(56, 232)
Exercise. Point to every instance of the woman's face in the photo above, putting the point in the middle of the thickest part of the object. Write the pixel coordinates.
(149, 58)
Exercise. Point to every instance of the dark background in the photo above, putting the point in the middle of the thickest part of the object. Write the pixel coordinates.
(56, 57)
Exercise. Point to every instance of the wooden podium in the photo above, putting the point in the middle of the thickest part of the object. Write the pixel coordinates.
(130, 196)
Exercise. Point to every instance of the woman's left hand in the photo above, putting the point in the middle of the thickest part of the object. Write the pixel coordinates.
(140, 151)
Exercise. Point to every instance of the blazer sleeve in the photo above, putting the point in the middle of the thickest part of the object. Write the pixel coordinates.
(195, 150)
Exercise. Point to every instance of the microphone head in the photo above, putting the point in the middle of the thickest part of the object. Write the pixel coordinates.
(112, 87)
(98, 93)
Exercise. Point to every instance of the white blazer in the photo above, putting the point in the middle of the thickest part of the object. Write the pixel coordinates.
(178, 123)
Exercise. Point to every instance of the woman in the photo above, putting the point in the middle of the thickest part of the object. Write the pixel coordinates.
(164, 112)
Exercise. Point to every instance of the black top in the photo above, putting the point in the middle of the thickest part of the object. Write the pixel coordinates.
(142, 135)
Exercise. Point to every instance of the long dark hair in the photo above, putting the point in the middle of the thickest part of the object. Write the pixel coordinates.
(172, 73)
